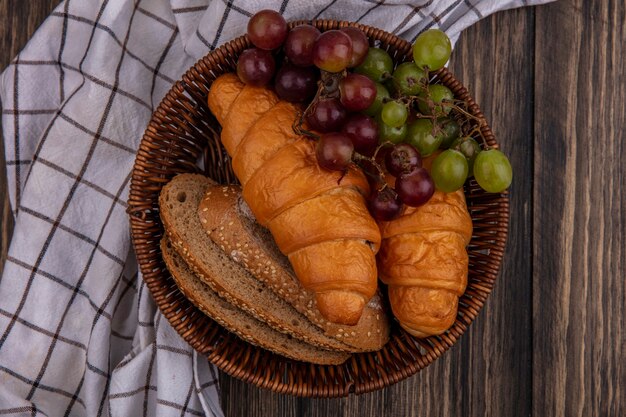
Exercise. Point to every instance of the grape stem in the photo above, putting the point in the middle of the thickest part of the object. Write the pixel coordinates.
(360, 160)
(327, 87)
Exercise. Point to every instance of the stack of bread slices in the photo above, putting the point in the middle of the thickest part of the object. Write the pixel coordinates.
(231, 269)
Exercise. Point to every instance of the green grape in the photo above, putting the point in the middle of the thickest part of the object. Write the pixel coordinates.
(394, 114)
(408, 78)
(438, 93)
(377, 105)
(420, 135)
(377, 63)
(449, 170)
(492, 171)
(432, 49)
(449, 131)
(469, 148)
(388, 133)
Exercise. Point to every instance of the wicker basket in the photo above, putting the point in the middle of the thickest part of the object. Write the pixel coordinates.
(183, 135)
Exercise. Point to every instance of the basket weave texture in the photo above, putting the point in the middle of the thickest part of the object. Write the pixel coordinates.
(183, 135)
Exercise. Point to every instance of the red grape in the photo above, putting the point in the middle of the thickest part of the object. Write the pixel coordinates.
(402, 159)
(357, 92)
(363, 132)
(267, 29)
(255, 67)
(360, 45)
(384, 205)
(295, 84)
(416, 188)
(334, 151)
(332, 51)
(327, 115)
(299, 45)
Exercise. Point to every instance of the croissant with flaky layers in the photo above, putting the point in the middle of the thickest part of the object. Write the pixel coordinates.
(423, 260)
(318, 218)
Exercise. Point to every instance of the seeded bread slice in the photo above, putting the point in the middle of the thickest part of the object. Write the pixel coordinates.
(178, 203)
(238, 322)
(230, 224)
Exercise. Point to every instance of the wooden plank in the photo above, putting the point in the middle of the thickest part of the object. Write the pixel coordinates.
(579, 210)
(18, 21)
(488, 372)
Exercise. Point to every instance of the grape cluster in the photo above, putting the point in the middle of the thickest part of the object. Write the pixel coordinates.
(363, 110)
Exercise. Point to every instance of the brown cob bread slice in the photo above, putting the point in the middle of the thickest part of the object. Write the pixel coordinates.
(238, 322)
(178, 202)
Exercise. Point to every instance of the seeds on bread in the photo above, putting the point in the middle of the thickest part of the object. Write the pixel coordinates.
(238, 322)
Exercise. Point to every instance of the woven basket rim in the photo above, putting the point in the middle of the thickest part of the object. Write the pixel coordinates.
(361, 373)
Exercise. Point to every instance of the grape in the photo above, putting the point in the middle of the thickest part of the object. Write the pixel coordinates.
(438, 93)
(394, 114)
(357, 92)
(359, 45)
(469, 148)
(363, 132)
(327, 115)
(388, 133)
(432, 49)
(420, 135)
(385, 204)
(299, 45)
(377, 104)
(334, 151)
(402, 159)
(450, 130)
(295, 84)
(332, 51)
(449, 170)
(255, 67)
(377, 65)
(267, 29)
(407, 78)
(492, 171)
(416, 188)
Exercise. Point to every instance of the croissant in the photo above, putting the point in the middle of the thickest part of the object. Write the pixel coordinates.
(318, 218)
(424, 262)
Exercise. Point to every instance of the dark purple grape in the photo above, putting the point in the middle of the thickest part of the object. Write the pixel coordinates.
(332, 51)
(299, 45)
(416, 188)
(267, 29)
(357, 92)
(256, 67)
(363, 132)
(402, 159)
(327, 115)
(295, 84)
(334, 151)
(384, 205)
(360, 45)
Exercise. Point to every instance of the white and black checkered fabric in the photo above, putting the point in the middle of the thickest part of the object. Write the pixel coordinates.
(79, 332)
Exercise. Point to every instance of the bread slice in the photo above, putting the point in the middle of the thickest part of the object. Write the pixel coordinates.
(229, 222)
(178, 203)
(238, 322)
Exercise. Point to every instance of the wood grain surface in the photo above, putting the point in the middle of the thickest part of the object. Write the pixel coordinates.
(550, 340)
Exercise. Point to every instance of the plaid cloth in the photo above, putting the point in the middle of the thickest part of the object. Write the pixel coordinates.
(79, 332)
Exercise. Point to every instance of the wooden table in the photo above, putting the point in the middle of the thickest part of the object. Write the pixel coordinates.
(551, 339)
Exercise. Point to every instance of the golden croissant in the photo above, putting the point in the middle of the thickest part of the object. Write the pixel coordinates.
(318, 218)
(424, 262)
